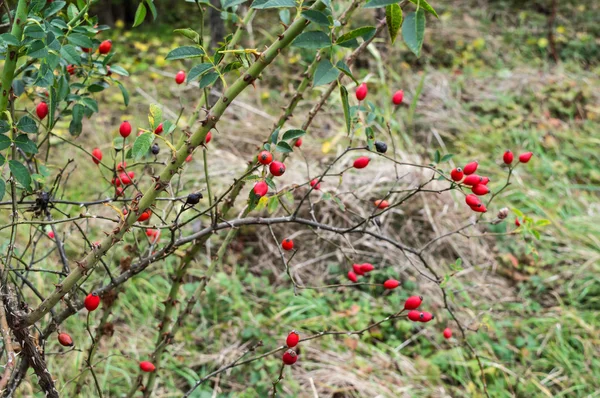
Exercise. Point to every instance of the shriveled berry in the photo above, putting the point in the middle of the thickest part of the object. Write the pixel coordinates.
(105, 46)
(361, 162)
(413, 302)
(287, 244)
(426, 317)
(524, 157)
(265, 157)
(71, 69)
(380, 146)
(125, 129)
(472, 180)
(91, 302)
(145, 215)
(366, 267)
(277, 168)
(414, 316)
(193, 198)
(41, 110)
(292, 339)
(97, 155)
(358, 269)
(457, 174)
(447, 333)
(381, 204)
(315, 184)
(298, 143)
(86, 49)
(352, 276)
(180, 77)
(290, 357)
(155, 149)
(65, 340)
(208, 137)
(398, 97)
(508, 157)
(260, 189)
(472, 200)
(480, 189)
(159, 129)
(361, 92)
(391, 284)
(470, 168)
(146, 366)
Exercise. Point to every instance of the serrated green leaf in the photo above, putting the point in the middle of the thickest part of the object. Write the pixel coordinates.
(152, 8)
(413, 31)
(118, 143)
(198, 71)
(155, 116)
(274, 136)
(339, 203)
(346, 107)
(70, 54)
(393, 17)
(10, 39)
(317, 17)
(27, 125)
(190, 34)
(2, 187)
(140, 14)
(37, 49)
(5, 142)
(273, 203)
(23, 142)
(80, 40)
(380, 3)
(142, 144)
(426, 6)
(208, 79)
(53, 8)
(76, 126)
(4, 126)
(293, 134)
(20, 173)
(437, 156)
(284, 147)
(264, 4)
(366, 32)
(341, 65)
(184, 52)
(271, 183)
(446, 157)
(124, 92)
(118, 70)
(325, 73)
(90, 103)
(312, 40)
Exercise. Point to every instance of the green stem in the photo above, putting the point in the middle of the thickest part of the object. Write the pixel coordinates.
(12, 55)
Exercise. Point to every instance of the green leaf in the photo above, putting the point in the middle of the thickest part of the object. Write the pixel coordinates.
(339, 203)
(23, 142)
(317, 17)
(97, 87)
(72, 11)
(446, 157)
(272, 204)
(53, 8)
(80, 40)
(346, 106)
(325, 73)
(263, 4)
(10, 39)
(413, 31)
(140, 14)
(366, 32)
(312, 40)
(37, 49)
(425, 5)
(124, 92)
(284, 147)
(2, 188)
(393, 17)
(198, 71)
(142, 144)
(76, 125)
(379, 3)
(2, 159)
(190, 34)
(90, 103)
(118, 70)
(232, 3)
(341, 65)
(27, 125)
(184, 52)
(370, 136)
(20, 173)
(271, 183)
(168, 127)
(155, 116)
(152, 8)
(437, 156)
(274, 136)
(5, 142)
(293, 134)
(208, 79)
(118, 143)
(4, 126)
(70, 54)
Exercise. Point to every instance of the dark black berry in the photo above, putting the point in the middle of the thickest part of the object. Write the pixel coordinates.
(155, 149)
(381, 146)
(193, 198)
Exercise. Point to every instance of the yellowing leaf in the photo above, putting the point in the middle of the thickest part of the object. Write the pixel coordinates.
(326, 147)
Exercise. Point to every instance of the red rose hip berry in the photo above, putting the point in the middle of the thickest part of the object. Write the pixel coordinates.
(358, 269)
(65, 340)
(414, 316)
(413, 302)
(41, 110)
(391, 284)
(508, 157)
(287, 244)
(447, 333)
(265, 157)
(292, 339)
(97, 155)
(290, 357)
(470, 168)
(298, 143)
(125, 129)
(91, 302)
(524, 157)
(277, 168)
(480, 189)
(361, 92)
(145, 215)
(381, 204)
(159, 129)
(208, 137)
(104, 47)
(260, 189)
(180, 77)
(472, 200)
(457, 174)
(146, 366)
(426, 317)
(361, 162)
(352, 276)
(398, 97)
(315, 184)
(366, 267)
(472, 180)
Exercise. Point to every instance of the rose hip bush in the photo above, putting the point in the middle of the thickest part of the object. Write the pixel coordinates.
(56, 61)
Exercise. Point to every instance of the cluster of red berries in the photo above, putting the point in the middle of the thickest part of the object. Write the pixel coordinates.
(290, 356)
(359, 270)
(362, 91)
(411, 304)
(153, 235)
(275, 167)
